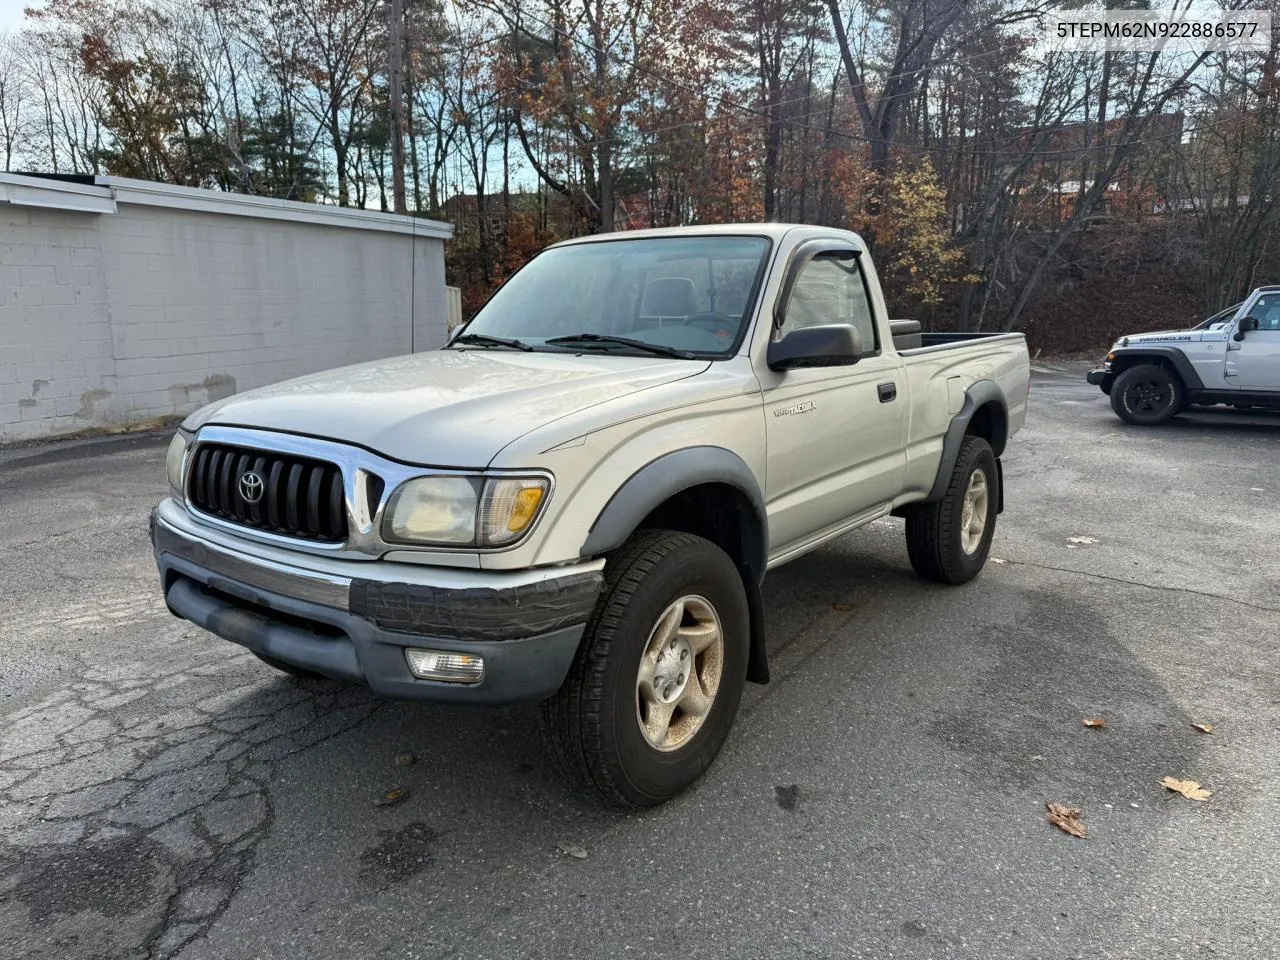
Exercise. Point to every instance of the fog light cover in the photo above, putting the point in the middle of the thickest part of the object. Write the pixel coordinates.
(445, 665)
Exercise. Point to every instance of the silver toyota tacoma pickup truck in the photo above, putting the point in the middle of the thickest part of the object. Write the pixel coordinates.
(1231, 358)
(577, 499)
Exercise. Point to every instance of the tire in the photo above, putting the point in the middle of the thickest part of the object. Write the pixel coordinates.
(1147, 395)
(289, 668)
(595, 722)
(942, 547)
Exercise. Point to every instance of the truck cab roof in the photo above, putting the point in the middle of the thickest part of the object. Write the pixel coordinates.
(774, 231)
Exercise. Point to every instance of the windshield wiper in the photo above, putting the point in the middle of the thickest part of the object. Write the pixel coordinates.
(588, 339)
(484, 340)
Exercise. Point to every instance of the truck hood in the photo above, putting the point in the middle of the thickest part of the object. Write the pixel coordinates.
(447, 408)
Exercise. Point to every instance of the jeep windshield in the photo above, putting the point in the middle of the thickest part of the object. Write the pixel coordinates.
(1219, 319)
(683, 295)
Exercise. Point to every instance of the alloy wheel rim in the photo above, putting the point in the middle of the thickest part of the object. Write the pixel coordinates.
(973, 515)
(679, 673)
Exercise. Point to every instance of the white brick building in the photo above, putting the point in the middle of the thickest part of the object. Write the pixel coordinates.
(122, 301)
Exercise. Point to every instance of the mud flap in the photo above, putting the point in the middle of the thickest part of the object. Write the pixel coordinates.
(757, 657)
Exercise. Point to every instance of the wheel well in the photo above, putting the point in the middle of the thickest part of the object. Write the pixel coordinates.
(1121, 364)
(723, 514)
(717, 512)
(991, 422)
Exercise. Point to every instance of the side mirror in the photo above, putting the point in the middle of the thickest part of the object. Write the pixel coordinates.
(827, 345)
(1246, 325)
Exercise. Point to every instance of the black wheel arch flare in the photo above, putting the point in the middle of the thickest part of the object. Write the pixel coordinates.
(670, 475)
(1171, 357)
(986, 409)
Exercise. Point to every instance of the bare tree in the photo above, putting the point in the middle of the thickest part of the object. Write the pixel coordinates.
(915, 29)
(326, 42)
(15, 101)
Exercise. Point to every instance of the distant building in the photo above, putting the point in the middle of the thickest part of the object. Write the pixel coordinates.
(1065, 159)
(550, 211)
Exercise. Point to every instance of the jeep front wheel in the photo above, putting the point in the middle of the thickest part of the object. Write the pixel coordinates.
(656, 682)
(1147, 395)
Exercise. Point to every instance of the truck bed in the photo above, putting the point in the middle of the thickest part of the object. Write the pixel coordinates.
(943, 341)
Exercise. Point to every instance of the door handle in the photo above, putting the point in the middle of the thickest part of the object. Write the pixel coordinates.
(887, 391)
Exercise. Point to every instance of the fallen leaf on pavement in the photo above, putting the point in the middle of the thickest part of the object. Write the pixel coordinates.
(573, 850)
(392, 797)
(1204, 727)
(844, 607)
(1094, 723)
(1066, 819)
(1082, 539)
(1188, 788)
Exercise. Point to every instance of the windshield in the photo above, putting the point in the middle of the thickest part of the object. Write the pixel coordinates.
(686, 293)
(1218, 319)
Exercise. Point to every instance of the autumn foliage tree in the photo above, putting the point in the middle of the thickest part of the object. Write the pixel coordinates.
(914, 249)
(573, 70)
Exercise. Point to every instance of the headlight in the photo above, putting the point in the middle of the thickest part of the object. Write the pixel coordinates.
(434, 510)
(464, 511)
(173, 461)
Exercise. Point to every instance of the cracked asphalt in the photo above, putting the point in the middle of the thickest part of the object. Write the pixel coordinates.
(163, 794)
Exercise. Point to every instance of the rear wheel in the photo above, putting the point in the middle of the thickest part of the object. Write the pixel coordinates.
(1147, 395)
(655, 685)
(948, 541)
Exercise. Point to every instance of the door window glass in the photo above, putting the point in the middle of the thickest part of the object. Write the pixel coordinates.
(831, 289)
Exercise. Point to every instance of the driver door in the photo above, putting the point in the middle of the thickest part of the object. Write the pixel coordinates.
(834, 434)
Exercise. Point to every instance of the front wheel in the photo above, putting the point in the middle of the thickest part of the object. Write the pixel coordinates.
(1147, 395)
(948, 541)
(656, 682)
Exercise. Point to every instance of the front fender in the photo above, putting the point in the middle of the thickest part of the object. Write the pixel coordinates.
(662, 478)
(1125, 357)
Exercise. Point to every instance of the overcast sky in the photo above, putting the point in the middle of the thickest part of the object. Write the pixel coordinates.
(11, 14)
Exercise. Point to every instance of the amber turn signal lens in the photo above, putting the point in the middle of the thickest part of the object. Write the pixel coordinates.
(524, 509)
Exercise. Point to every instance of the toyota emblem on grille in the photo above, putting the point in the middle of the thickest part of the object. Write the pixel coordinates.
(250, 487)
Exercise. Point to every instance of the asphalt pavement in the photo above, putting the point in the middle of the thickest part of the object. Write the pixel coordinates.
(163, 794)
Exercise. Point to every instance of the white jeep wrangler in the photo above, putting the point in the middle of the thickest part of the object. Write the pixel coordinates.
(1231, 358)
